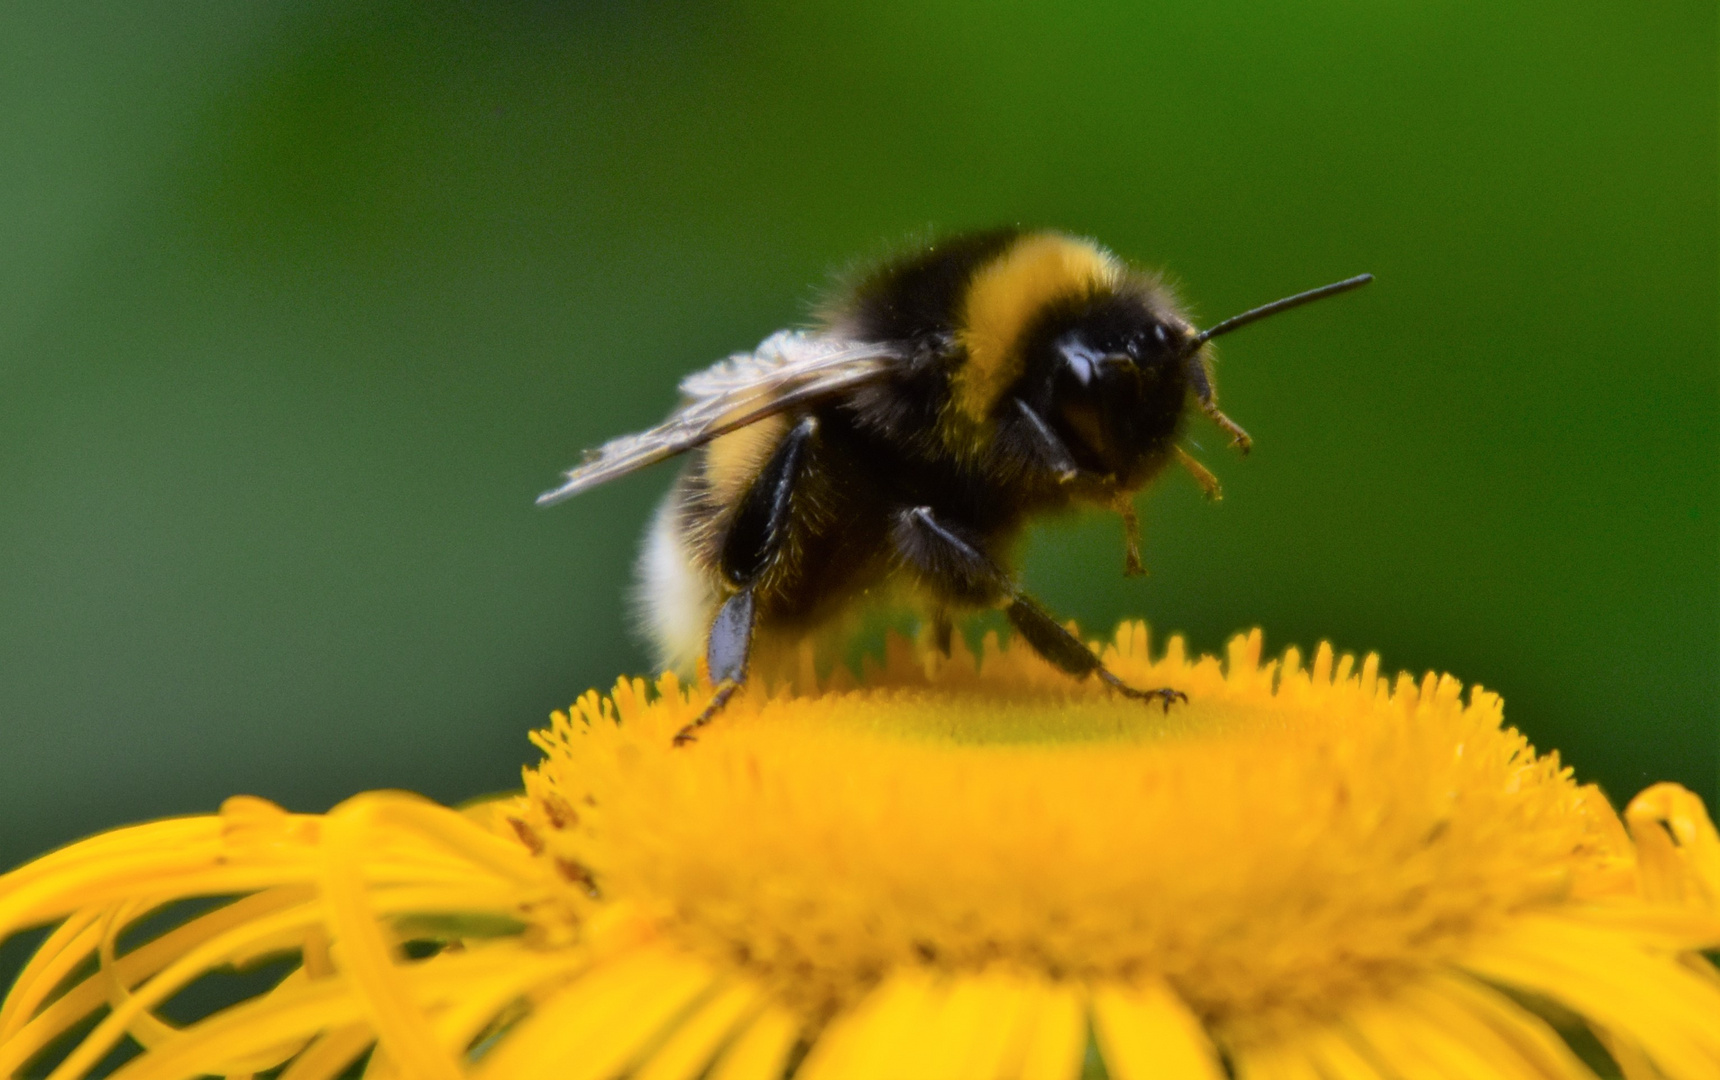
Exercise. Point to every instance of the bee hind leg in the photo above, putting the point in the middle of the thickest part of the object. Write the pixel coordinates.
(1056, 644)
(752, 547)
(726, 657)
(949, 562)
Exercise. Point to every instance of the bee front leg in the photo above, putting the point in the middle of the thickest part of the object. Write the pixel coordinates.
(1200, 381)
(954, 566)
(754, 542)
(1047, 447)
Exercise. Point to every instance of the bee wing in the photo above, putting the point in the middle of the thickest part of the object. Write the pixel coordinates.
(788, 369)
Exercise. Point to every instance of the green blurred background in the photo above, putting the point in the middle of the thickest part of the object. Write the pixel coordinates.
(301, 304)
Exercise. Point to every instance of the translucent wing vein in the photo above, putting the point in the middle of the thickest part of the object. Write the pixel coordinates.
(789, 369)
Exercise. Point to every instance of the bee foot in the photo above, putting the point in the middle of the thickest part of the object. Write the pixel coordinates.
(1164, 695)
(1239, 439)
(725, 690)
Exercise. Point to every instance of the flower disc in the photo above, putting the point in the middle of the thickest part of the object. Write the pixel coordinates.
(1284, 842)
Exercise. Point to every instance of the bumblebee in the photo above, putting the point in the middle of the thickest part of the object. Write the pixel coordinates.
(896, 452)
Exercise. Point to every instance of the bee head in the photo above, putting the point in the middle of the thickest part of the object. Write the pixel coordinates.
(1109, 373)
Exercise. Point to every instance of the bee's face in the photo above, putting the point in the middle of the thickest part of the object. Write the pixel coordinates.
(1112, 380)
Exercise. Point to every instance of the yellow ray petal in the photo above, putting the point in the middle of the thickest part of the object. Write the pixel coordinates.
(1402, 1036)
(1628, 1055)
(1147, 1032)
(186, 835)
(242, 1030)
(1678, 848)
(1530, 1037)
(96, 871)
(980, 1028)
(127, 1007)
(1056, 1040)
(437, 831)
(466, 993)
(883, 1034)
(62, 951)
(761, 1051)
(301, 1010)
(135, 1019)
(1656, 927)
(133, 967)
(459, 1020)
(400, 1025)
(970, 1026)
(1281, 1060)
(599, 1021)
(610, 1048)
(696, 1042)
(328, 1056)
(1338, 1057)
(1653, 1000)
(381, 1066)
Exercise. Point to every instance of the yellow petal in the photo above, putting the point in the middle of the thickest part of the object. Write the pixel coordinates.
(1628, 1055)
(1528, 1035)
(884, 1035)
(1056, 1037)
(1279, 1060)
(61, 952)
(692, 1046)
(1653, 1000)
(217, 935)
(401, 1026)
(1410, 1044)
(238, 1032)
(328, 1056)
(1678, 848)
(1338, 1057)
(761, 1051)
(983, 1027)
(600, 1021)
(1147, 1032)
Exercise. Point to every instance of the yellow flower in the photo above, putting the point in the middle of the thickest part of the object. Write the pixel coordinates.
(964, 869)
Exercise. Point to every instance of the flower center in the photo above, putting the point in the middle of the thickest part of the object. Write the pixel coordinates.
(1286, 841)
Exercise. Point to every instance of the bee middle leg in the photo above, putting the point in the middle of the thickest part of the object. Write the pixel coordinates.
(953, 565)
(943, 632)
(755, 539)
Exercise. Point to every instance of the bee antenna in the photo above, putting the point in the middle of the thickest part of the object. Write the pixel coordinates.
(1237, 322)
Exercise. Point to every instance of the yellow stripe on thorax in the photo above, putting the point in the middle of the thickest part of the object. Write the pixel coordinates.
(1004, 298)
